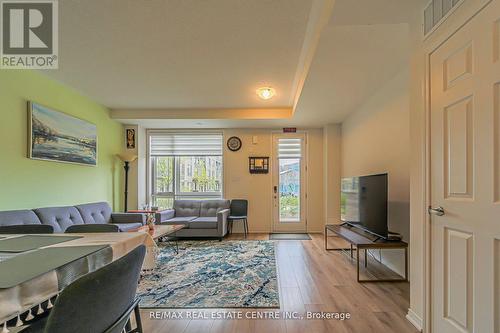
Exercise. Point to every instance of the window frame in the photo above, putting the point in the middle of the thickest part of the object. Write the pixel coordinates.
(151, 178)
(154, 179)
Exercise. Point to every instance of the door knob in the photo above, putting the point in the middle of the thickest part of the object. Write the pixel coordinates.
(439, 211)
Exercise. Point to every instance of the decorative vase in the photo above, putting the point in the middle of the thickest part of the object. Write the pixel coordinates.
(151, 221)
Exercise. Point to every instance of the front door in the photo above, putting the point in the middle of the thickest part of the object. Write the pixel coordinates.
(465, 177)
(289, 182)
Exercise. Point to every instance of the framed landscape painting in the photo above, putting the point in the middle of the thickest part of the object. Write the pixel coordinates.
(56, 136)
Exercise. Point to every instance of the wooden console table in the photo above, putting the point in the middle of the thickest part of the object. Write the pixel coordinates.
(364, 243)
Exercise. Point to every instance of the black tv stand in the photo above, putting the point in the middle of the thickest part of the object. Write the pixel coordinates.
(362, 242)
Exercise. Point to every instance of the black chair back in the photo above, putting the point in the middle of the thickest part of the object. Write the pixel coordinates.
(239, 207)
(99, 301)
(91, 228)
(27, 229)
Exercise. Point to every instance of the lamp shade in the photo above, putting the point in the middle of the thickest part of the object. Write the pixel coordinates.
(127, 157)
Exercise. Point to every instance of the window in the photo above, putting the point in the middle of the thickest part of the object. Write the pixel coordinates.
(184, 166)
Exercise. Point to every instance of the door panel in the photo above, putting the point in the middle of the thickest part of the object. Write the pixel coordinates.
(458, 66)
(458, 288)
(496, 42)
(496, 263)
(458, 145)
(465, 177)
(496, 145)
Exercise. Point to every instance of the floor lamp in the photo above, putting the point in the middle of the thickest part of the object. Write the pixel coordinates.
(127, 159)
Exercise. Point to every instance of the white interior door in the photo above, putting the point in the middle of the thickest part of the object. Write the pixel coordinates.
(289, 182)
(465, 177)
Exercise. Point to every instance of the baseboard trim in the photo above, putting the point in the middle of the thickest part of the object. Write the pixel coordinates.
(270, 232)
(237, 232)
(415, 320)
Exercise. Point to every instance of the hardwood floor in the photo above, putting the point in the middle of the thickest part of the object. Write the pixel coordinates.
(310, 279)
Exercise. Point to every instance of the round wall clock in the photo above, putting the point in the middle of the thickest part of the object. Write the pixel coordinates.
(234, 143)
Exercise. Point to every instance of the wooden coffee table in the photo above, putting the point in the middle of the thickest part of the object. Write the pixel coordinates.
(162, 231)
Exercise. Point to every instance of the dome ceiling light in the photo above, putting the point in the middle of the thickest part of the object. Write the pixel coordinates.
(266, 93)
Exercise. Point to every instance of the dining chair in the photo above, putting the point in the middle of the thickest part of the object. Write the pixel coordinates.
(27, 229)
(91, 228)
(101, 301)
(239, 212)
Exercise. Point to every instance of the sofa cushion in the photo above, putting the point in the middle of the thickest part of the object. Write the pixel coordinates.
(98, 212)
(59, 217)
(164, 215)
(205, 222)
(180, 220)
(15, 217)
(212, 207)
(128, 226)
(187, 208)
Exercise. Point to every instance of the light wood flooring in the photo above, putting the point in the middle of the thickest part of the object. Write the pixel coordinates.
(310, 279)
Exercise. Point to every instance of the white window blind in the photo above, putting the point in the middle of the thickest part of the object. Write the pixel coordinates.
(185, 144)
(289, 148)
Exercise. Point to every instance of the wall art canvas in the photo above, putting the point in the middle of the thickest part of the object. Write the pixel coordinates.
(56, 136)
(130, 138)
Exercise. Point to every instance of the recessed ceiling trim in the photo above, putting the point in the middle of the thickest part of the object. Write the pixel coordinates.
(319, 16)
(238, 113)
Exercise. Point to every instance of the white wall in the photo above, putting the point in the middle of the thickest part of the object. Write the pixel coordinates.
(417, 172)
(376, 139)
(240, 184)
(332, 137)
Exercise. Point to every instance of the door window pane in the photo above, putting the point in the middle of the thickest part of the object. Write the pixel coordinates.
(289, 189)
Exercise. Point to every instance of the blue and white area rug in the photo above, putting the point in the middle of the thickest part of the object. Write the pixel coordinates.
(213, 274)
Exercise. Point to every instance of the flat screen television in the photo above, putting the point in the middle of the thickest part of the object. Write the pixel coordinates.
(364, 203)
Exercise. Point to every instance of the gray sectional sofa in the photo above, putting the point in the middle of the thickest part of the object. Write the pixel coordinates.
(202, 218)
(62, 217)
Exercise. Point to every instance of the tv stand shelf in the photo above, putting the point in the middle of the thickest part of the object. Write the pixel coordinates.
(363, 242)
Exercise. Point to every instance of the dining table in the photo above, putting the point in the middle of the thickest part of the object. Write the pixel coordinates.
(34, 269)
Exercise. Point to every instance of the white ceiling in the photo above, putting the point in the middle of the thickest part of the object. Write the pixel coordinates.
(365, 44)
(191, 54)
(351, 63)
(367, 12)
(181, 53)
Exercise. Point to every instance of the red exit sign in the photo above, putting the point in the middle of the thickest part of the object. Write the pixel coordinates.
(290, 130)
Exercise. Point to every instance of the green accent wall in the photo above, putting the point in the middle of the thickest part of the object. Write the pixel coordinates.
(27, 183)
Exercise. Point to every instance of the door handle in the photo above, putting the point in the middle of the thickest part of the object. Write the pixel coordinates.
(438, 211)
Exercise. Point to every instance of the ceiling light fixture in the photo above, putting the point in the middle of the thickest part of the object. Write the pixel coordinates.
(266, 93)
